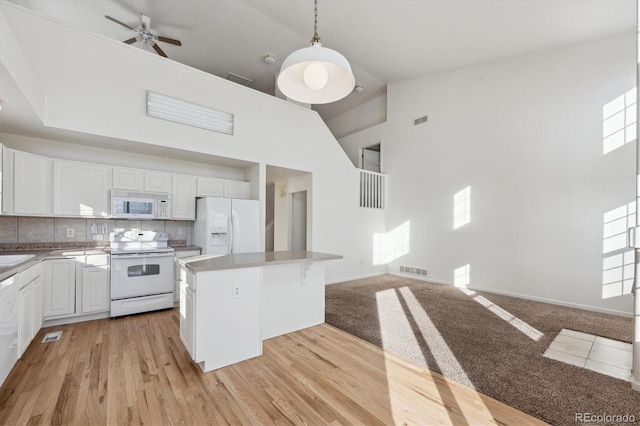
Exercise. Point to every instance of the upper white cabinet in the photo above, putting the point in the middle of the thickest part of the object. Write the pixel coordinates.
(80, 189)
(127, 179)
(236, 189)
(6, 169)
(32, 184)
(210, 187)
(183, 197)
(157, 182)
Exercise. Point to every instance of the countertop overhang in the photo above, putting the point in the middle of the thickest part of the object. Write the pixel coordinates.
(247, 260)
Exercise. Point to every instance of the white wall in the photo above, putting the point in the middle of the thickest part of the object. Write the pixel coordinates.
(526, 135)
(362, 117)
(104, 94)
(90, 154)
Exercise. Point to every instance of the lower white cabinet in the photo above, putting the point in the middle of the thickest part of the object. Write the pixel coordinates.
(95, 288)
(26, 319)
(60, 287)
(9, 321)
(181, 254)
(76, 286)
(187, 318)
(30, 302)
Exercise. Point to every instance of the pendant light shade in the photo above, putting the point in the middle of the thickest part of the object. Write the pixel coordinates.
(316, 74)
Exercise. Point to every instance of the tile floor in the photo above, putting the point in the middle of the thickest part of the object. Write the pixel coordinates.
(600, 354)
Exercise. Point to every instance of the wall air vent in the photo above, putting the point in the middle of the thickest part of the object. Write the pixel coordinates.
(183, 112)
(413, 271)
(420, 120)
(239, 79)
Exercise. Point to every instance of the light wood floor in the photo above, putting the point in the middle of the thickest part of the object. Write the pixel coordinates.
(135, 371)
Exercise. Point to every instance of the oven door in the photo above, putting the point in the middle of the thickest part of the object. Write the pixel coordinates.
(134, 275)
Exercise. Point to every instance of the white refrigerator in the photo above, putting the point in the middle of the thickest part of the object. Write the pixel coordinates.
(225, 225)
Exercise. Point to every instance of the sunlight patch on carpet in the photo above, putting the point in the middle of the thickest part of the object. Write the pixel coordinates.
(525, 328)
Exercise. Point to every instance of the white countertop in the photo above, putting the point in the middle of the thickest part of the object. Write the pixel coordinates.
(246, 260)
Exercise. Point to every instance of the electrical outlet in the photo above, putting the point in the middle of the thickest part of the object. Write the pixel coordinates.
(71, 232)
(236, 291)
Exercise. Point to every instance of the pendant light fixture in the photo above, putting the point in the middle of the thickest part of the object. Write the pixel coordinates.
(316, 74)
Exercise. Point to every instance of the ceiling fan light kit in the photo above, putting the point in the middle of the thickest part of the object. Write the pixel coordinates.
(316, 74)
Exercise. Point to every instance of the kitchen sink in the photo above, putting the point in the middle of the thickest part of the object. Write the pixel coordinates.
(14, 259)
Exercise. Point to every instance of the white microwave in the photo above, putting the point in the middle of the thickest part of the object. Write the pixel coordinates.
(140, 205)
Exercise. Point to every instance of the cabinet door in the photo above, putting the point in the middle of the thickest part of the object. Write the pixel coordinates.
(10, 320)
(187, 318)
(80, 189)
(6, 155)
(26, 317)
(236, 189)
(157, 182)
(183, 197)
(95, 289)
(32, 184)
(59, 287)
(127, 179)
(210, 187)
(37, 291)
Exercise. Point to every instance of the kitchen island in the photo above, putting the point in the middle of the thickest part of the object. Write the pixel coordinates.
(229, 304)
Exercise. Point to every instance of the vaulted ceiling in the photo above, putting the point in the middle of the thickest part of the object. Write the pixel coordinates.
(385, 40)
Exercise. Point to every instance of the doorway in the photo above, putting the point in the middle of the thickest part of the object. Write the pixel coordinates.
(370, 158)
(298, 220)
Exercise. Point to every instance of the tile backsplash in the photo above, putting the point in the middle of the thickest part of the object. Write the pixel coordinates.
(94, 231)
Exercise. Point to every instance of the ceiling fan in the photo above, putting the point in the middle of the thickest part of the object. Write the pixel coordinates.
(144, 34)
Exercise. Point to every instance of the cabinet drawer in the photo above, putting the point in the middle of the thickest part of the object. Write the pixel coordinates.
(188, 278)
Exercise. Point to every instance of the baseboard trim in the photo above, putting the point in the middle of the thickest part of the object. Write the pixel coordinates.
(71, 320)
(524, 296)
(359, 277)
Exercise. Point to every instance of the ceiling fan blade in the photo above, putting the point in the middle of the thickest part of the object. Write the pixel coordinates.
(169, 40)
(146, 21)
(130, 41)
(160, 51)
(118, 22)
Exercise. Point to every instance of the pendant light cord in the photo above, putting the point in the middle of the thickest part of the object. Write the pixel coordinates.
(316, 38)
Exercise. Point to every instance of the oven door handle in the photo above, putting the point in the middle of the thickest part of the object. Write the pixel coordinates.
(141, 255)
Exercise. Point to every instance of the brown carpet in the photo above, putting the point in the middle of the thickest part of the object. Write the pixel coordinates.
(458, 336)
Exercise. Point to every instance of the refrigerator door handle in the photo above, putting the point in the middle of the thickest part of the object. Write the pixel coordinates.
(231, 233)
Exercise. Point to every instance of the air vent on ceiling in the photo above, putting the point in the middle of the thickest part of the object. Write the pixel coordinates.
(413, 271)
(239, 79)
(420, 120)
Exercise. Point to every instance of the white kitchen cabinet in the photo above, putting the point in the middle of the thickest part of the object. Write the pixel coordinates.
(181, 254)
(80, 189)
(30, 306)
(95, 288)
(236, 189)
(9, 322)
(220, 315)
(26, 319)
(7, 179)
(38, 304)
(59, 287)
(210, 187)
(157, 182)
(183, 197)
(187, 318)
(32, 184)
(127, 179)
